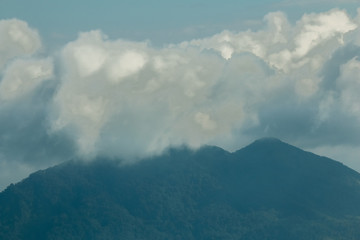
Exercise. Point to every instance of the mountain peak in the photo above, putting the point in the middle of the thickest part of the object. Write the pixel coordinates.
(268, 143)
(268, 140)
(272, 148)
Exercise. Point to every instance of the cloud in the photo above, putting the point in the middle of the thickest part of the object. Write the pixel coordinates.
(282, 46)
(26, 89)
(141, 96)
(127, 64)
(317, 28)
(17, 39)
(118, 98)
(23, 76)
(349, 87)
(128, 98)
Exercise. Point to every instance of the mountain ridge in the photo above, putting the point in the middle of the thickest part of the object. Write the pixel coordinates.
(267, 190)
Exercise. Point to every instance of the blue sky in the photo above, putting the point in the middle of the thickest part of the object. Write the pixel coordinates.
(130, 78)
(160, 21)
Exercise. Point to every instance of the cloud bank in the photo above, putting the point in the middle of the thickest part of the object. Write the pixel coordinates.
(119, 98)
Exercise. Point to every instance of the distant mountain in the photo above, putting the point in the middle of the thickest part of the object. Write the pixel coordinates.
(267, 190)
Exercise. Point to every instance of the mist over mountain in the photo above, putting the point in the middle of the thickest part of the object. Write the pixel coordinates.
(97, 90)
(267, 190)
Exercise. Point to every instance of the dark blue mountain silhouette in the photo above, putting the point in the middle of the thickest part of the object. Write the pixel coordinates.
(267, 190)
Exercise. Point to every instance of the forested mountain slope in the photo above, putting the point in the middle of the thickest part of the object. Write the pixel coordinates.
(267, 190)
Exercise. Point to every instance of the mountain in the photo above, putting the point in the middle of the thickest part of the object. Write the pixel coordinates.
(267, 190)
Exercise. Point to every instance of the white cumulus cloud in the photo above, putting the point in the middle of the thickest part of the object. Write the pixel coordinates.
(127, 98)
(124, 98)
(17, 39)
(23, 76)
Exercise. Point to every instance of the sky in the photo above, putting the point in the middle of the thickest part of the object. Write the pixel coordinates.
(128, 79)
